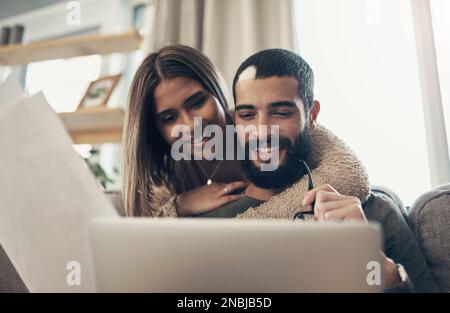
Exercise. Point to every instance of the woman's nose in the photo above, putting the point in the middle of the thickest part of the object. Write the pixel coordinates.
(194, 123)
(187, 120)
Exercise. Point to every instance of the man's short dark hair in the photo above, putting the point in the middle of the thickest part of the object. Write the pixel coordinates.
(281, 63)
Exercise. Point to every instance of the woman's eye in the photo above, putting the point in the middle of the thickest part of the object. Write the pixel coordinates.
(198, 103)
(168, 118)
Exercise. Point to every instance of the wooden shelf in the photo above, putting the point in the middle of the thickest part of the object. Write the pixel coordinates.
(69, 47)
(94, 126)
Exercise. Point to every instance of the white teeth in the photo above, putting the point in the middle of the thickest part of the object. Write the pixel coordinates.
(267, 150)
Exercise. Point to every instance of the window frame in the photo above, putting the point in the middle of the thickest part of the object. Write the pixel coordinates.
(436, 135)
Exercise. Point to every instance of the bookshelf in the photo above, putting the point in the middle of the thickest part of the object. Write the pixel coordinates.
(93, 126)
(69, 47)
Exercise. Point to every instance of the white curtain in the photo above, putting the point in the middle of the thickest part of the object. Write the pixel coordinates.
(227, 31)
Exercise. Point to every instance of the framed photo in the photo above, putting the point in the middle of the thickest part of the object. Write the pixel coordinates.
(98, 92)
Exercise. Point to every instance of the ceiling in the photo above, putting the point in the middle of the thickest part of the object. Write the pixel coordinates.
(10, 8)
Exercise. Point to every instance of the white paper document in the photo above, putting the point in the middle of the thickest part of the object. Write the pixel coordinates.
(47, 198)
(10, 90)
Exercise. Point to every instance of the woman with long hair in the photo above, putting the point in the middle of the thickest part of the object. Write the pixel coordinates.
(175, 86)
(171, 88)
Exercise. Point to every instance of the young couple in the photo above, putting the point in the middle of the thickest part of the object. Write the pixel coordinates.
(275, 88)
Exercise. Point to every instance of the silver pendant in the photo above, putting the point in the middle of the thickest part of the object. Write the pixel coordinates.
(209, 182)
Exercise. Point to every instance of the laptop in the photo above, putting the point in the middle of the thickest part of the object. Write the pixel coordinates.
(224, 255)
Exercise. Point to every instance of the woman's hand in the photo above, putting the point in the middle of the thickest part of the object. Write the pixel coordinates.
(207, 198)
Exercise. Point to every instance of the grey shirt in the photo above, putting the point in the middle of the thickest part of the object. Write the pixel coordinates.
(400, 244)
(232, 209)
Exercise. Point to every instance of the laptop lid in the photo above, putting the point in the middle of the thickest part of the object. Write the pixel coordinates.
(223, 255)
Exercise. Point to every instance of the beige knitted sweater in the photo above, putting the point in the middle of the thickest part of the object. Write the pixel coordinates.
(331, 162)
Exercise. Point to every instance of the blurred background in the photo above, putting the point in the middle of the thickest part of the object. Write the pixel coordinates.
(384, 87)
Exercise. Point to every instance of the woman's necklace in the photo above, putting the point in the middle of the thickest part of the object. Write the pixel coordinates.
(210, 177)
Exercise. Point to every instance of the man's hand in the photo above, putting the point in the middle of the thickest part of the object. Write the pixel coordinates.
(391, 275)
(330, 205)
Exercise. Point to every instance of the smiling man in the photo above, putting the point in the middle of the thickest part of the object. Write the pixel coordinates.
(275, 88)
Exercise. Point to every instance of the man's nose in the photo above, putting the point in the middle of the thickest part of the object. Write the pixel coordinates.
(265, 128)
(263, 119)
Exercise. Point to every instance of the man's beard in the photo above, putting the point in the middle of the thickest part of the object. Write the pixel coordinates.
(287, 173)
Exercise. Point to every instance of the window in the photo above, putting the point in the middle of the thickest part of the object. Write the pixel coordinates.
(63, 81)
(440, 14)
(363, 54)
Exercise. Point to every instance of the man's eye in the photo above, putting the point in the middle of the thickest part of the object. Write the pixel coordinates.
(283, 113)
(246, 115)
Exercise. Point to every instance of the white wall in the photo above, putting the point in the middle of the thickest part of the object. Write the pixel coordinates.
(364, 57)
(105, 17)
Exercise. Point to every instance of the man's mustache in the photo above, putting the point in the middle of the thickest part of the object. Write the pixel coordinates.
(283, 143)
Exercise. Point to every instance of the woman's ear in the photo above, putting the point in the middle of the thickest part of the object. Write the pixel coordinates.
(313, 113)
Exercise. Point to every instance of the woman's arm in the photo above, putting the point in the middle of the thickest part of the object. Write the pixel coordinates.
(202, 199)
(169, 209)
(163, 202)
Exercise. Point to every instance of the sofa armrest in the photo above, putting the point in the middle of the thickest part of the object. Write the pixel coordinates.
(429, 220)
(115, 197)
(10, 280)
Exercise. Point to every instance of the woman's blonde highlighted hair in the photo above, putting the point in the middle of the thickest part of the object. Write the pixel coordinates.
(147, 160)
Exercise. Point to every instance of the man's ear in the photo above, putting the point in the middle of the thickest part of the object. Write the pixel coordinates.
(313, 113)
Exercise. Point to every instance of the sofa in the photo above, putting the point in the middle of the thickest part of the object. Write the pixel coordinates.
(428, 218)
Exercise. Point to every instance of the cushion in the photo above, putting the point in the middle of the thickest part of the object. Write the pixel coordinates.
(10, 281)
(115, 197)
(391, 194)
(429, 219)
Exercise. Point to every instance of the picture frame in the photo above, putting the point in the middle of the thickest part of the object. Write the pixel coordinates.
(98, 93)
